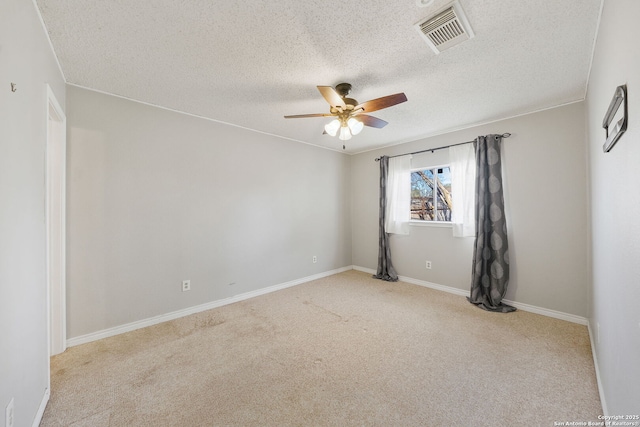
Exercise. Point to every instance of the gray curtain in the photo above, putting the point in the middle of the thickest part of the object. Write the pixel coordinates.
(385, 268)
(490, 270)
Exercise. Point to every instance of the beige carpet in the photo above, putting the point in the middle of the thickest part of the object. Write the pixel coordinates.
(346, 350)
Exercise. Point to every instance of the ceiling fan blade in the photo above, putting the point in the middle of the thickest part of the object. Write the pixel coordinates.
(332, 96)
(300, 116)
(384, 102)
(374, 122)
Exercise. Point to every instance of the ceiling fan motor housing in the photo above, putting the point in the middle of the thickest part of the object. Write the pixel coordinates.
(350, 101)
(343, 89)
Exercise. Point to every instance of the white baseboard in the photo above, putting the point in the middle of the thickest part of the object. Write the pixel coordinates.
(605, 411)
(521, 306)
(580, 320)
(42, 407)
(435, 286)
(105, 333)
(364, 269)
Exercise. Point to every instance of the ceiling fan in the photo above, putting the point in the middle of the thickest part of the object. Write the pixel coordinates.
(350, 116)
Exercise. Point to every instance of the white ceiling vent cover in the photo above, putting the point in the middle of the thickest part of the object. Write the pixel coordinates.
(446, 28)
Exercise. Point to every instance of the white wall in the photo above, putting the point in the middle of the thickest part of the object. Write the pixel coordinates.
(27, 60)
(546, 202)
(615, 209)
(156, 197)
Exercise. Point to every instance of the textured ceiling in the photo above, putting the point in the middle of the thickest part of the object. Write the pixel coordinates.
(249, 63)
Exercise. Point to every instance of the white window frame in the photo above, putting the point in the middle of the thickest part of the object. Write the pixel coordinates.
(423, 223)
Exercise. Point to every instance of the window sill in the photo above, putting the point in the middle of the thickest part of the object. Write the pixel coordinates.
(443, 224)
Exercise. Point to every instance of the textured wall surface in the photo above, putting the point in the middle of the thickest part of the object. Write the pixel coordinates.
(615, 209)
(156, 197)
(545, 200)
(27, 60)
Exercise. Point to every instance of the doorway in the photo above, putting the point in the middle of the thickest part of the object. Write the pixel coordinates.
(56, 149)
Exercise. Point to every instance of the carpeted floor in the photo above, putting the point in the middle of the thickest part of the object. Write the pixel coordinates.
(345, 350)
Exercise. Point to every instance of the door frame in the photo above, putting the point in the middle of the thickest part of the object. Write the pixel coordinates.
(55, 188)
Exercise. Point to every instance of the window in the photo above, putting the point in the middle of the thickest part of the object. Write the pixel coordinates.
(431, 194)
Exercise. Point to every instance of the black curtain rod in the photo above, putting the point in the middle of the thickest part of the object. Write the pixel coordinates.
(504, 135)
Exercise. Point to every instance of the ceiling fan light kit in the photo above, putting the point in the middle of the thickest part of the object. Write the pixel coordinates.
(347, 129)
(349, 118)
(355, 126)
(332, 127)
(345, 134)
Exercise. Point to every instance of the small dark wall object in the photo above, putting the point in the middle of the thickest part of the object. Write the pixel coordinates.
(619, 97)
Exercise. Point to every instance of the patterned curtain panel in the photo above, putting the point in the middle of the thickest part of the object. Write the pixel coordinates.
(385, 268)
(490, 270)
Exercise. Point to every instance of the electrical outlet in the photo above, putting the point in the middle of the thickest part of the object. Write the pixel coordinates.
(8, 414)
(315, 259)
(429, 265)
(186, 285)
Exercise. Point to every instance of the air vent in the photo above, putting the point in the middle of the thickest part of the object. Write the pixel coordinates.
(446, 28)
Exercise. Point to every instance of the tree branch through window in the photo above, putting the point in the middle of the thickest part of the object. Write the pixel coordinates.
(424, 184)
